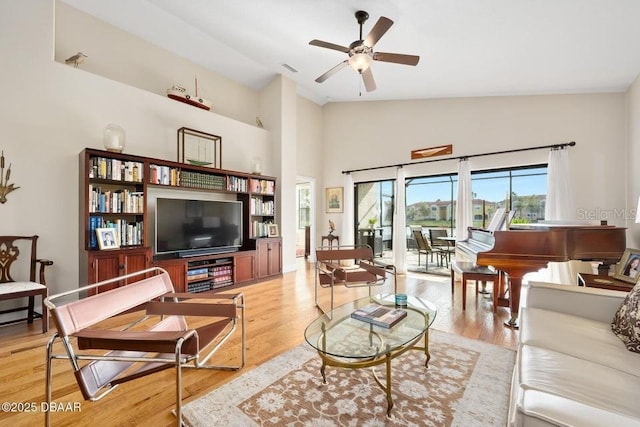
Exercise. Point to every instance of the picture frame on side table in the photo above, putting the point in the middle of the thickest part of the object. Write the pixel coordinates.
(272, 230)
(107, 238)
(628, 268)
(335, 200)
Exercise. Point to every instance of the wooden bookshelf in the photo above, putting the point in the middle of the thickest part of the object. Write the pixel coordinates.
(113, 193)
(262, 205)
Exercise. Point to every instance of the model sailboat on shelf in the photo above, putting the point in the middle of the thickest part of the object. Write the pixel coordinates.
(180, 94)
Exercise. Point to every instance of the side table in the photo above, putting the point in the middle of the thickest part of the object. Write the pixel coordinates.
(603, 282)
(330, 238)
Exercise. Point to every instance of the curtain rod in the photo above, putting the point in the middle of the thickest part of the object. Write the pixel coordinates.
(399, 165)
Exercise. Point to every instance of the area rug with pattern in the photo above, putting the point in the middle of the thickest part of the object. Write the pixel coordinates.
(466, 384)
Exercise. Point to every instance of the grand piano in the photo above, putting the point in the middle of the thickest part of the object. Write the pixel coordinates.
(525, 248)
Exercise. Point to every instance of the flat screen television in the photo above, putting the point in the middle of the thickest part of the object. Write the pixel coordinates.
(197, 227)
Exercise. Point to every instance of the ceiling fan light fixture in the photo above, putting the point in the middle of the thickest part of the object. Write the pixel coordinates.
(361, 53)
(360, 61)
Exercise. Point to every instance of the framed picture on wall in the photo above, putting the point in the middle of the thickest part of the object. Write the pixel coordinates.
(628, 268)
(335, 200)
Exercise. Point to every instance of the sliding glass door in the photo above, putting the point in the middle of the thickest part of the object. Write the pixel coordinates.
(374, 203)
(431, 200)
(523, 190)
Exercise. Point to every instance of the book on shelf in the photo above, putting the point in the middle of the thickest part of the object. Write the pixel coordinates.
(116, 170)
(379, 315)
(238, 184)
(130, 232)
(262, 186)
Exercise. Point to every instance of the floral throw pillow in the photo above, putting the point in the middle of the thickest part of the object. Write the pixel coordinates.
(626, 322)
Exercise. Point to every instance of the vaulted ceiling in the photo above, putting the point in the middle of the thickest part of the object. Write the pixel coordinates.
(466, 47)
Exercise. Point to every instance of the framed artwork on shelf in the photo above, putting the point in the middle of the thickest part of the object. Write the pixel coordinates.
(272, 230)
(629, 266)
(107, 238)
(199, 148)
(335, 200)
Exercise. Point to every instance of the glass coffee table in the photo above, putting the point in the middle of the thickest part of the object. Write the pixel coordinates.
(344, 342)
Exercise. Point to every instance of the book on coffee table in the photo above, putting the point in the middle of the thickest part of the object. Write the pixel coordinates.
(379, 315)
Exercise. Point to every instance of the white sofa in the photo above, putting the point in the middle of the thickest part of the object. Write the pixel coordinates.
(571, 369)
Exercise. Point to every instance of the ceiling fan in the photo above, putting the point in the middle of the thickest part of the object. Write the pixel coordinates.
(361, 53)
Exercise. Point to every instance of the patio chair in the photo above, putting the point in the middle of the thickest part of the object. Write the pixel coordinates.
(25, 283)
(442, 245)
(425, 248)
(160, 339)
(351, 266)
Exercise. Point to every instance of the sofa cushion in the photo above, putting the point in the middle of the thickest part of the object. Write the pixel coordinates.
(577, 336)
(606, 389)
(543, 409)
(626, 322)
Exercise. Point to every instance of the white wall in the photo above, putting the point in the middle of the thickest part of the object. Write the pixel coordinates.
(121, 56)
(278, 106)
(309, 138)
(288, 174)
(309, 158)
(52, 111)
(360, 135)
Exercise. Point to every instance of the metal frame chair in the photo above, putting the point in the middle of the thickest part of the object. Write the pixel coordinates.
(365, 272)
(159, 346)
(13, 289)
(425, 248)
(441, 245)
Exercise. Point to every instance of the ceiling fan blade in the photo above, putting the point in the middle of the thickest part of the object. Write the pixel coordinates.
(369, 82)
(328, 45)
(397, 58)
(332, 71)
(378, 30)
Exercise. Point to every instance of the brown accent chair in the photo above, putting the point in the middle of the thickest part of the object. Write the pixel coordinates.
(351, 266)
(25, 284)
(104, 357)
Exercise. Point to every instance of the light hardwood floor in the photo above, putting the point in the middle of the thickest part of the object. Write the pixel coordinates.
(277, 314)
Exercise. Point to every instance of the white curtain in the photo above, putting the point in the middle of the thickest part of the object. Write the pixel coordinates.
(559, 207)
(400, 224)
(464, 208)
(346, 236)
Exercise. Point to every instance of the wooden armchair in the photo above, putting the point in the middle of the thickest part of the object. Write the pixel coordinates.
(104, 357)
(351, 266)
(25, 284)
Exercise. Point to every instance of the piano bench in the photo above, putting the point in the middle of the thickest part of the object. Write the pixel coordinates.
(479, 273)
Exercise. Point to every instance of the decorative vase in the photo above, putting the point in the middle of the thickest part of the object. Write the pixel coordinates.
(256, 166)
(113, 138)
